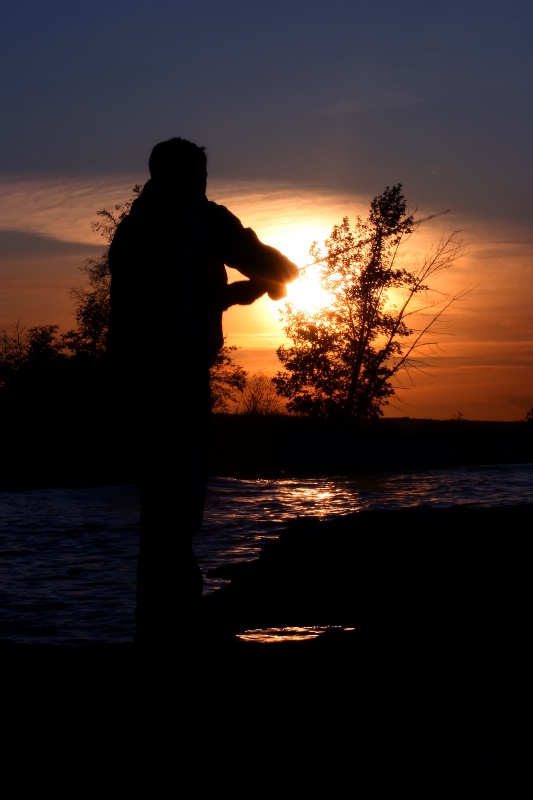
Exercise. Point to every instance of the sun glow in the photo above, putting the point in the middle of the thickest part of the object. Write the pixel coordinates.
(306, 292)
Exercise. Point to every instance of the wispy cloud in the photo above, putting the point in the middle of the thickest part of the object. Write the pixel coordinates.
(61, 208)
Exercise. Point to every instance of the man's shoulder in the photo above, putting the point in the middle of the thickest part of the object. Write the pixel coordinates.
(121, 231)
(219, 210)
(129, 241)
(222, 219)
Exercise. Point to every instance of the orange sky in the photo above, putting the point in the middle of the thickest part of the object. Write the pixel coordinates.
(485, 365)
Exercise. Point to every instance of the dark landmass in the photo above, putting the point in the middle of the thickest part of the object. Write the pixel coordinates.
(274, 446)
(422, 671)
(59, 447)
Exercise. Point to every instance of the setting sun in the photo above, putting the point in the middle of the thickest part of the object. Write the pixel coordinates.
(306, 292)
(295, 241)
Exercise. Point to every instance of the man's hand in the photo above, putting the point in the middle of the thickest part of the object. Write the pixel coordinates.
(277, 291)
(288, 272)
(244, 293)
(292, 271)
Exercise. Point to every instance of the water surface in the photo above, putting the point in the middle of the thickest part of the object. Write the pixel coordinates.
(68, 556)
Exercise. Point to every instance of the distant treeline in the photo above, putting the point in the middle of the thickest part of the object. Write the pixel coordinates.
(274, 446)
(58, 446)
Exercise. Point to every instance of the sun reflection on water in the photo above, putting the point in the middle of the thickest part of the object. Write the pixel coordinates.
(290, 634)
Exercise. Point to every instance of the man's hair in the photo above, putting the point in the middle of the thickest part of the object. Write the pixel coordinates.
(178, 159)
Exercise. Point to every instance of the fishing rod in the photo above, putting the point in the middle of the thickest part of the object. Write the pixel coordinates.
(359, 244)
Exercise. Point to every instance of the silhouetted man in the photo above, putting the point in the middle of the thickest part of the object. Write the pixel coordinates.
(169, 288)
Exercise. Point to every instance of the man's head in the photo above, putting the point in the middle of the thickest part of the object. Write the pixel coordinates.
(179, 162)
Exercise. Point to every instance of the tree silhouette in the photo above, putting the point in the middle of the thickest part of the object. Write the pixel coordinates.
(37, 351)
(228, 380)
(259, 396)
(88, 340)
(13, 351)
(345, 356)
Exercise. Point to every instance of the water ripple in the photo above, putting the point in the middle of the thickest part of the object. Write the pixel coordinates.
(68, 556)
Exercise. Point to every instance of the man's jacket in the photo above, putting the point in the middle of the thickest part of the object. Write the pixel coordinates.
(169, 283)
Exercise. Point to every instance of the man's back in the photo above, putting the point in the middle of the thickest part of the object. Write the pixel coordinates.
(169, 281)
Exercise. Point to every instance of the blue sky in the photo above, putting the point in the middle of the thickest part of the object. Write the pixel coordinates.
(339, 93)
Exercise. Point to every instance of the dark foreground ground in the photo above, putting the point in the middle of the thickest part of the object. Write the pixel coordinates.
(419, 685)
(423, 672)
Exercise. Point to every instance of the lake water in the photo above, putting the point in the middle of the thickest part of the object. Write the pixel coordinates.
(68, 556)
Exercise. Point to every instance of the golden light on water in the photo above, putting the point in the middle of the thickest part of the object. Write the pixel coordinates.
(272, 635)
(289, 634)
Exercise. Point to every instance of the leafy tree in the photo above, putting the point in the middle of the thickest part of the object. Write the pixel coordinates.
(36, 350)
(228, 380)
(88, 340)
(345, 356)
(44, 346)
(13, 351)
(260, 397)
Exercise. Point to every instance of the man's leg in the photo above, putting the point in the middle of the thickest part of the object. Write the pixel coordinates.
(169, 578)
